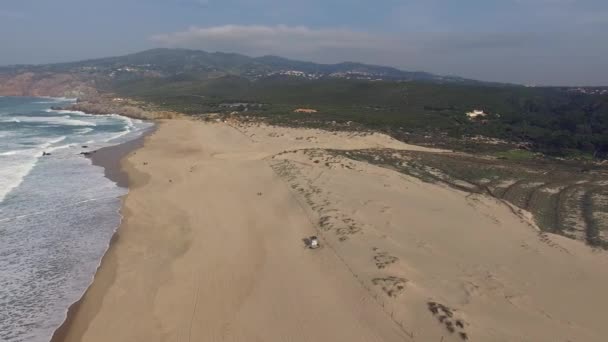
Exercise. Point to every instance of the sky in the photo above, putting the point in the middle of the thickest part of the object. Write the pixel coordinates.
(535, 42)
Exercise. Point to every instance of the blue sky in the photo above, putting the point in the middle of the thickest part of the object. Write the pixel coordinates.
(556, 42)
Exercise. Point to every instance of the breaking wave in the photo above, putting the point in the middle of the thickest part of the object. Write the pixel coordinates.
(58, 212)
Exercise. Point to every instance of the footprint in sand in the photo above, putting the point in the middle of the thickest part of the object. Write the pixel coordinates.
(449, 318)
(392, 286)
(383, 259)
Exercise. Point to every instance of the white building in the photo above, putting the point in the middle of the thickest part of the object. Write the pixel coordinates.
(476, 113)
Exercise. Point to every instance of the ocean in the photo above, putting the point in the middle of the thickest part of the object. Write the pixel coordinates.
(57, 212)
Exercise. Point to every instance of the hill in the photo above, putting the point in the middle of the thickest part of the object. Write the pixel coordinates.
(173, 62)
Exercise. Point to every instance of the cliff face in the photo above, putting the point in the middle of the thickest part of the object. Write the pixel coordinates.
(45, 84)
(104, 106)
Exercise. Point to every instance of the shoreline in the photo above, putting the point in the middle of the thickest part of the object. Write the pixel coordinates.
(111, 159)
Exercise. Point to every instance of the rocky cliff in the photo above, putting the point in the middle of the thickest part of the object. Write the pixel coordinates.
(46, 84)
(74, 86)
(102, 105)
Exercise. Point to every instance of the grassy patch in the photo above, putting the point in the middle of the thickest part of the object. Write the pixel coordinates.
(516, 155)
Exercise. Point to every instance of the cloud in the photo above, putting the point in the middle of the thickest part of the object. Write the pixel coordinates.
(452, 42)
(297, 40)
(280, 39)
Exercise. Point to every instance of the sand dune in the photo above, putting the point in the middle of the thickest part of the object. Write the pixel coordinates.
(211, 250)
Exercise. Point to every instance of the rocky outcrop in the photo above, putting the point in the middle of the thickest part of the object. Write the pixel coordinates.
(28, 83)
(46, 84)
(104, 106)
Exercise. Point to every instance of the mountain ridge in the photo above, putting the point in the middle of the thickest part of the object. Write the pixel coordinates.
(163, 62)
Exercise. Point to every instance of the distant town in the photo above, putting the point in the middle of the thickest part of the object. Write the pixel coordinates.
(590, 91)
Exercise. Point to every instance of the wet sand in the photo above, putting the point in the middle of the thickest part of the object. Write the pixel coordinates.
(110, 158)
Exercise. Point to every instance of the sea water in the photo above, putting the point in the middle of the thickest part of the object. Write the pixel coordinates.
(57, 212)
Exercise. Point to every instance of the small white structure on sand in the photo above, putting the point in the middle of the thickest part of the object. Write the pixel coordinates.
(305, 110)
(314, 242)
(476, 113)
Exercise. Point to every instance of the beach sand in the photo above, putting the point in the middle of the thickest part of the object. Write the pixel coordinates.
(211, 249)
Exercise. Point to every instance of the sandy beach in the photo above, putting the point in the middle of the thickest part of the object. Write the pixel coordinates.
(211, 249)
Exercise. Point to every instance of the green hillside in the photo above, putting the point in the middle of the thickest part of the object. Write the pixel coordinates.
(172, 62)
(558, 121)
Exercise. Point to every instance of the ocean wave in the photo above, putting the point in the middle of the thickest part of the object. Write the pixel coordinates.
(65, 111)
(57, 208)
(13, 171)
(46, 210)
(13, 120)
(118, 135)
(17, 164)
(52, 142)
(42, 280)
(60, 147)
(55, 120)
(58, 99)
(83, 130)
(111, 115)
(129, 123)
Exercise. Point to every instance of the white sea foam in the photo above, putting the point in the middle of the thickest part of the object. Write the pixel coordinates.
(64, 111)
(46, 102)
(60, 147)
(129, 121)
(117, 136)
(12, 173)
(58, 99)
(6, 134)
(84, 130)
(17, 164)
(54, 120)
(57, 214)
(55, 100)
(54, 245)
(53, 141)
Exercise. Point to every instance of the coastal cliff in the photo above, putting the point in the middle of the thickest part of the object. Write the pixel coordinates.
(103, 105)
(90, 100)
(46, 84)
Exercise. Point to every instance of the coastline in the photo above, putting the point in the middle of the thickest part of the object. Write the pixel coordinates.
(111, 158)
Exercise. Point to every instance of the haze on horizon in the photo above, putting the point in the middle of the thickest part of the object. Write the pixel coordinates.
(542, 42)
